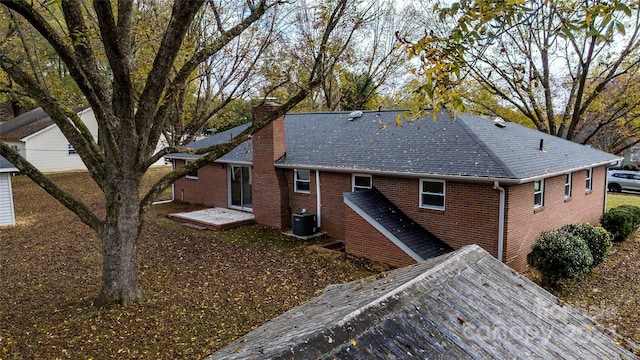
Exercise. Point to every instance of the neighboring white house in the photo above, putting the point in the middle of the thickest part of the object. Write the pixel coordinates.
(7, 214)
(40, 141)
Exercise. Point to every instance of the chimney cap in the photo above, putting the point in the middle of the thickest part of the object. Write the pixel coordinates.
(264, 100)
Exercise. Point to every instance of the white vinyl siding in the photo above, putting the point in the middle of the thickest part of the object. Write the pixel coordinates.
(7, 216)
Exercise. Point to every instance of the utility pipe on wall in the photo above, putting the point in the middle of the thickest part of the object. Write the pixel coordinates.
(496, 186)
(318, 200)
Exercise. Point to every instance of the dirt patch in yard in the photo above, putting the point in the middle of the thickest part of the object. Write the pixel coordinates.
(204, 288)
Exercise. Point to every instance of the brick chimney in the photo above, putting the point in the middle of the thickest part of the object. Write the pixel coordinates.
(270, 190)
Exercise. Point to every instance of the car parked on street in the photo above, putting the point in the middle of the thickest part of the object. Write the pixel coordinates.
(619, 180)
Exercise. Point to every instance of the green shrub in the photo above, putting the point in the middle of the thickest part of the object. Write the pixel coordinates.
(558, 254)
(621, 221)
(634, 211)
(598, 240)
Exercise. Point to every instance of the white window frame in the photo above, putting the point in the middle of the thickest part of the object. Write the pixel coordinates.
(568, 185)
(442, 194)
(297, 181)
(355, 187)
(589, 179)
(190, 175)
(540, 191)
(71, 150)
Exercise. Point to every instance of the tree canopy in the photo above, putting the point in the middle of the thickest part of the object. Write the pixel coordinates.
(554, 63)
(146, 68)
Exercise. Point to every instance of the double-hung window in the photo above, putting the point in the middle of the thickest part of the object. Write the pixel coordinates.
(71, 150)
(301, 180)
(589, 182)
(432, 193)
(193, 174)
(567, 186)
(538, 193)
(360, 182)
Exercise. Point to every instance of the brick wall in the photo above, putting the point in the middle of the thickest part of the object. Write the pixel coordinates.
(269, 186)
(524, 223)
(470, 214)
(209, 189)
(365, 241)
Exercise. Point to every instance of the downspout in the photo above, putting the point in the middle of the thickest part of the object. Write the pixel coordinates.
(496, 186)
(318, 200)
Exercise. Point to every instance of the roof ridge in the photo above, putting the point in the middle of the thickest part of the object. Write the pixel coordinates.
(484, 145)
(437, 268)
(346, 111)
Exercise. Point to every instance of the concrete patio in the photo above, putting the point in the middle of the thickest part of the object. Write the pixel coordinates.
(214, 218)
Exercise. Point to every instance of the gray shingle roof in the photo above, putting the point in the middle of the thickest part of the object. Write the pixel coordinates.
(215, 139)
(461, 305)
(395, 224)
(6, 166)
(25, 124)
(467, 146)
(517, 149)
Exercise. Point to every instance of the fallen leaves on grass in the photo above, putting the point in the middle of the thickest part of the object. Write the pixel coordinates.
(204, 289)
(611, 293)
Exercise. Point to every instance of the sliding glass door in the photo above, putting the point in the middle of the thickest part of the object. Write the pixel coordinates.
(240, 187)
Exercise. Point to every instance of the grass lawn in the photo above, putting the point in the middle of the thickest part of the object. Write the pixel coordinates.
(617, 199)
(204, 288)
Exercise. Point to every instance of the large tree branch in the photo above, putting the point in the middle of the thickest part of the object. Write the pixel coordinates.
(67, 120)
(178, 83)
(218, 150)
(156, 82)
(84, 213)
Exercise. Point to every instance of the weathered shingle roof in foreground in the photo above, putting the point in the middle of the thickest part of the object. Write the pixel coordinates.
(461, 305)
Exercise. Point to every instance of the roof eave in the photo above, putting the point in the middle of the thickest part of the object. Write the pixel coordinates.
(45, 129)
(464, 178)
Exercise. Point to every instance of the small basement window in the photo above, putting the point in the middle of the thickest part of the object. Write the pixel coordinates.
(302, 180)
(432, 194)
(360, 182)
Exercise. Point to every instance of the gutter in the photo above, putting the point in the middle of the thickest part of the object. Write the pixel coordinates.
(501, 208)
(476, 179)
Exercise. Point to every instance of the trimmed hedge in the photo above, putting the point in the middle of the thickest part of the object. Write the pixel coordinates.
(621, 221)
(559, 254)
(598, 240)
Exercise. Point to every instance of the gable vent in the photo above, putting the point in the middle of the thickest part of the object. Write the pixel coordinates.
(355, 115)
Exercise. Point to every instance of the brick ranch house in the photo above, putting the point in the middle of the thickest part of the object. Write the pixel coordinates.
(402, 194)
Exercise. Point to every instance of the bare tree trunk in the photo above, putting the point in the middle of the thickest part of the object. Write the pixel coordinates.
(120, 244)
